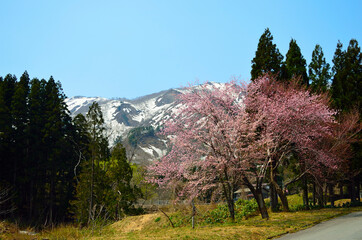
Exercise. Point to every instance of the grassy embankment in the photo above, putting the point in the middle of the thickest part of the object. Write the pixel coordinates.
(210, 224)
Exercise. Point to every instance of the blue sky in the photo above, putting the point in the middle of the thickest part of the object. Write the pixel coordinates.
(133, 48)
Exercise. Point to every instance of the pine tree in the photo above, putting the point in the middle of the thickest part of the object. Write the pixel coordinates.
(267, 57)
(295, 64)
(319, 71)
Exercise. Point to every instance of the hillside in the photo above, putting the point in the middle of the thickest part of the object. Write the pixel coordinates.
(130, 118)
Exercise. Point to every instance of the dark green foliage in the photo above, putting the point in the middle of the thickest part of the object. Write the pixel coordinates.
(104, 191)
(37, 154)
(120, 173)
(49, 161)
(347, 96)
(347, 79)
(295, 64)
(7, 89)
(267, 57)
(136, 135)
(92, 185)
(319, 73)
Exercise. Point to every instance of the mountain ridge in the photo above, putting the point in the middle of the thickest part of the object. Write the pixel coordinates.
(122, 115)
(125, 119)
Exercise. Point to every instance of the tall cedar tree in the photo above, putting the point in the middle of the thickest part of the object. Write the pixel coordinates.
(7, 88)
(267, 57)
(295, 64)
(92, 185)
(56, 132)
(319, 73)
(267, 60)
(20, 116)
(347, 79)
(347, 95)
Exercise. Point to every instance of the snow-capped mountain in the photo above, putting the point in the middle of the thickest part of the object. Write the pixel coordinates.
(134, 121)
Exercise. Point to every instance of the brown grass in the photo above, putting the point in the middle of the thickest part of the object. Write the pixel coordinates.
(142, 227)
(157, 226)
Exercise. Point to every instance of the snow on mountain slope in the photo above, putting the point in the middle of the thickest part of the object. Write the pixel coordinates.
(121, 115)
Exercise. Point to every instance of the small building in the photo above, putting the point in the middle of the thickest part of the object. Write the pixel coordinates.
(246, 194)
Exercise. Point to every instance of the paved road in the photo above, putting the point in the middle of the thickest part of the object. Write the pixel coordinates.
(348, 227)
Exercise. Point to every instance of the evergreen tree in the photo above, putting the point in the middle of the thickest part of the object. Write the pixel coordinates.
(338, 75)
(20, 117)
(346, 94)
(92, 180)
(7, 88)
(295, 64)
(267, 60)
(55, 140)
(34, 166)
(319, 71)
(267, 57)
(37, 154)
(120, 176)
(347, 79)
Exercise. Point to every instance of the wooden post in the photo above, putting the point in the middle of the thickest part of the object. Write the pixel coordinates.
(193, 213)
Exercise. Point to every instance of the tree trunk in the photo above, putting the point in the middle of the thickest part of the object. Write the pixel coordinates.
(341, 191)
(231, 207)
(283, 198)
(273, 198)
(320, 196)
(228, 193)
(314, 194)
(325, 194)
(279, 190)
(358, 188)
(305, 192)
(258, 195)
(331, 194)
(261, 204)
(91, 193)
(352, 190)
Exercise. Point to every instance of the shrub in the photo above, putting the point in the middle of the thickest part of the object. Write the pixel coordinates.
(243, 209)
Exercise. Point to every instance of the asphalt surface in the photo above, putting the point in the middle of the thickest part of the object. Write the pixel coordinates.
(348, 227)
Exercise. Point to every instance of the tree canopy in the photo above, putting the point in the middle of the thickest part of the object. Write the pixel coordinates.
(267, 57)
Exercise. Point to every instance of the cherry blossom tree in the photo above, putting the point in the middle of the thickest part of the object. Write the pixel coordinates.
(298, 123)
(215, 146)
(226, 136)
